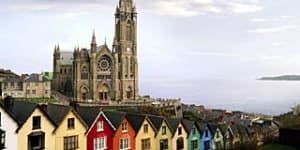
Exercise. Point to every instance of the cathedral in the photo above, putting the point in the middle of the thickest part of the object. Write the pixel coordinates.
(98, 73)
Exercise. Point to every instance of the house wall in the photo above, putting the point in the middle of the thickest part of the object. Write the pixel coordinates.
(119, 134)
(206, 138)
(63, 131)
(107, 131)
(176, 136)
(46, 126)
(217, 139)
(168, 136)
(192, 137)
(141, 135)
(42, 89)
(9, 126)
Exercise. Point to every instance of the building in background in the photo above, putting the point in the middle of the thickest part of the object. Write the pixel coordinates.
(36, 86)
(12, 87)
(99, 73)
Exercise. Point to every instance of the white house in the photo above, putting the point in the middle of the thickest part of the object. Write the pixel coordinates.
(8, 127)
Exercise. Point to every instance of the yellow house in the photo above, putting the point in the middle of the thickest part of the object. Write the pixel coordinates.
(164, 137)
(71, 129)
(180, 135)
(145, 132)
(36, 132)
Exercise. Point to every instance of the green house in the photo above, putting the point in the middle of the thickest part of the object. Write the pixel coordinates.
(193, 134)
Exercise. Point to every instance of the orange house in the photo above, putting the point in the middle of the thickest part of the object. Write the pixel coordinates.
(124, 135)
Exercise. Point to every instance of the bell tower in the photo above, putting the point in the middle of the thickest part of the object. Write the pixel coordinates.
(125, 51)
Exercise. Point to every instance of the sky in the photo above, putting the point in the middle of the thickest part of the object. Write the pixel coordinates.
(180, 42)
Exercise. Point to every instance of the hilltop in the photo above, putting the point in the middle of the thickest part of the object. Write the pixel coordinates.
(282, 78)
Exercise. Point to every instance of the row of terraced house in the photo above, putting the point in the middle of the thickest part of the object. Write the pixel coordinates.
(31, 126)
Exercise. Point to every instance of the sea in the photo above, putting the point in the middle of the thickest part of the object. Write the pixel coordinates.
(251, 95)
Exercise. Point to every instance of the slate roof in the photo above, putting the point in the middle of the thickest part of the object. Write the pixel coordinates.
(12, 79)
(213, 128)
(56, 112)
(115, 118)
(88, 114)
(201, 126)
(20, 111)
(188, 125)
(135, 120)
(36, 78)
(244, 133)
(156, 121)
(173, 124)
(66, 58)
(234, 130)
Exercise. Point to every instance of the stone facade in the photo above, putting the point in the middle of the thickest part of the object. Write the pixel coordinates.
(36, 86)
(99, 73)
(12, 87)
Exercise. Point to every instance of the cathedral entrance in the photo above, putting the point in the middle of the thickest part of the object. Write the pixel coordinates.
(83, 94)
(103, 91)
(129, 93)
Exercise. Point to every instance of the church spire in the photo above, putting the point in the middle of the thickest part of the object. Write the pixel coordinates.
(93, 43)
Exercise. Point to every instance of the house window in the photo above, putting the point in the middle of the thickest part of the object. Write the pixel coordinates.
(71, 142)
(12, 84)
(145, 128)
(164, 131)
(71, 123)
(194, 131)
(146, 144)
(36, 122)
(124, 127)
(46, 91)
(124, 144)
(100, 126)
(36, 140)
(179, 143)
(179, 131)
(206, 133)
(163, 144)
(27, 91)
(218, 134)
(100, 143)
(194, 144)
(33, 91)
(2, 139)
(0, 119)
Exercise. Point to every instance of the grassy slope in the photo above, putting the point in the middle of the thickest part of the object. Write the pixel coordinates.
(277, 147)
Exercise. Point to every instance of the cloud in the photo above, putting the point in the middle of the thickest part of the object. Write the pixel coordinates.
(189, 8)
(274, 29)
(244, 8)
(271, 19)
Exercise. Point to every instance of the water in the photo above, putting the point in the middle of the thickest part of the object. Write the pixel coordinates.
(268, 97)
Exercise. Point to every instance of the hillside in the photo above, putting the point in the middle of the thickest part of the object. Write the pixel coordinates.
(283, 78)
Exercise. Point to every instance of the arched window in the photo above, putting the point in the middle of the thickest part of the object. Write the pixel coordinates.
(126, 64)
(129, 31)
(131, 65)
(84, 73)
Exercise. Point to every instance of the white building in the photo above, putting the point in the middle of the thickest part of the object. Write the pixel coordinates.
(8, 127)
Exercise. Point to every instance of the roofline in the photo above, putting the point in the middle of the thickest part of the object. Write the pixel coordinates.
(38, 107)
(101, 113)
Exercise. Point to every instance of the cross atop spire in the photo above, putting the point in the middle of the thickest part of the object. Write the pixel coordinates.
(94, 38)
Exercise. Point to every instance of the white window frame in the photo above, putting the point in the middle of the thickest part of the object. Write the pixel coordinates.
(124, 127)
(100, 126)
(124, 143)
(100, 143)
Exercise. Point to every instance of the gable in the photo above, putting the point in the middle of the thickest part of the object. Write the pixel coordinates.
(101, 116)
(45, 123)
(79, 123)
(150, 127)
(7, 119)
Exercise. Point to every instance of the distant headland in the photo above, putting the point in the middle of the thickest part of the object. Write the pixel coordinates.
(282, 78)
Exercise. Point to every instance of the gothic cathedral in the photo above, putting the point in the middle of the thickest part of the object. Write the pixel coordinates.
(101, 74)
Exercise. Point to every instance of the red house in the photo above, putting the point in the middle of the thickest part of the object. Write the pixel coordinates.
(124, 135)
(100, 133)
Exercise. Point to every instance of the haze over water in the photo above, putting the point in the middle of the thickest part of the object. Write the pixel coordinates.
(268, 97)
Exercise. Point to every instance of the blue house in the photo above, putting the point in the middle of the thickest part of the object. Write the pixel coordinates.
(206, 140)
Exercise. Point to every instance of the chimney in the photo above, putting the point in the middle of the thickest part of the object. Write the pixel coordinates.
(74, 105)
(9, 102)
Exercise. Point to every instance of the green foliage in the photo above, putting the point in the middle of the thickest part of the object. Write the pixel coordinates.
(276, 147)
(288, 120)
(37, 100)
